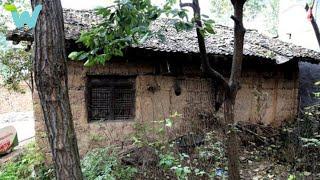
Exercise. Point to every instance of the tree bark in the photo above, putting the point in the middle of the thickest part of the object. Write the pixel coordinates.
(50, 71)
(313, 22)
(206, 67)
(232, 86)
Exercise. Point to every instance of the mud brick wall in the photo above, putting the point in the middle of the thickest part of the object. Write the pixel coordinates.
(267, 97)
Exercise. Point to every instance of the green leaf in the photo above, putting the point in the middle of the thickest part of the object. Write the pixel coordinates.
(161, 37)
(205, 16)
(202, 32)
(78, 55)
(10, 7)
(83, 56)
(89, 63)
(73, 55)
(101, 59)
(183, 26)
(144, 38)
(209, 21)
(169, 122)
(292, 177)
(209, 29)
(182, 14)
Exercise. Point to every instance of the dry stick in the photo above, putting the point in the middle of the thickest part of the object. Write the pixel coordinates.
(261, 138)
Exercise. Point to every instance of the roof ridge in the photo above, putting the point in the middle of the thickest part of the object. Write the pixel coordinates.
(256, 44)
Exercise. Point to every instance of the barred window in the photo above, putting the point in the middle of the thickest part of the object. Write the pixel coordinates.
(110, 98)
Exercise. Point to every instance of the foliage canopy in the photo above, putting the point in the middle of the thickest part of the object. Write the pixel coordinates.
(126, 23)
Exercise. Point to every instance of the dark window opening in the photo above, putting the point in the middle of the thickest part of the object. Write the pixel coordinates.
(111, 98)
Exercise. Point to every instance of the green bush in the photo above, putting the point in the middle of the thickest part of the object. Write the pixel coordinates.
(29, 165)
(103, 163)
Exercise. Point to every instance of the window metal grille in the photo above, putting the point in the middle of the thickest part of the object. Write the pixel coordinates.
(111, 98)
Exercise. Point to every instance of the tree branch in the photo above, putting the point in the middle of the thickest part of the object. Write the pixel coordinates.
(239, 32)
(238, 23)
(238, 2)
(313, 22)
(206, 67)
(187, 5)
(234, 19)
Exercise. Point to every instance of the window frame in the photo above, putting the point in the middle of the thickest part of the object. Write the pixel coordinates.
(109, 81)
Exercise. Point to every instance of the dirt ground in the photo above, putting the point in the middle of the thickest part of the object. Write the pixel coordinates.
(16, 110)
(14, 101)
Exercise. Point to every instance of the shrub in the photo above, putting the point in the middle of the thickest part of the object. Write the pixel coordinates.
(29, 165)
(103, 163)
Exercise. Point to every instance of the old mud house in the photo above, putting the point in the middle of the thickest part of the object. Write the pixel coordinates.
(156, 79)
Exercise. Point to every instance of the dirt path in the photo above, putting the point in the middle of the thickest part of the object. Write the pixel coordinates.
(22, 121)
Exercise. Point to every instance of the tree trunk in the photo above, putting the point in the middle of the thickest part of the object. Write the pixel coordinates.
(313, 22)
(52, 84)
(231, 141)
(234, 86)
(231, 88)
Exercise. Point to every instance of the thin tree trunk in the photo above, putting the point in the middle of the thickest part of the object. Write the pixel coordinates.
(231, 88)
(52, 84)
(234, 86)
(313, 22)
(231, 140)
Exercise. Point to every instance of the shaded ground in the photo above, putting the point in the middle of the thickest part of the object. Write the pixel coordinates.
(288, 152)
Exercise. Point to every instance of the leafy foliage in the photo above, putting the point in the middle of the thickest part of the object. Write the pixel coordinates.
(173, 162)
(127, 23)
(104, 164)
(10, 7)
(123, 24)
(304, 136)
(15, 68)
(30, 165)
(15, 62)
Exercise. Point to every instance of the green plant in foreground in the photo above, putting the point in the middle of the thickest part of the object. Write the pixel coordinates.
(103, 163)
(29, 165)
(317, 94)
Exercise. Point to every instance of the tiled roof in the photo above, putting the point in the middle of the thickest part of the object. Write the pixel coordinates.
(220, 43)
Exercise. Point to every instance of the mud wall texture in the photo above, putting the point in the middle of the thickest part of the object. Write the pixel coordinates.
(268, 97)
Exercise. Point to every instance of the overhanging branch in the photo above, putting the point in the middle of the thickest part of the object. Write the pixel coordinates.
(313, 21)
(206, 67)
(187, 5)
